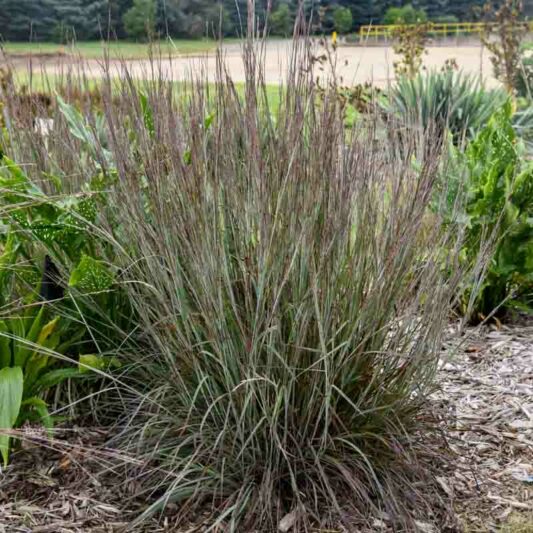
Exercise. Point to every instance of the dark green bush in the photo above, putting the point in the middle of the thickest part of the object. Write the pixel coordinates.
(139, 20)
(342, 19)
(281, 20)
(404, 15)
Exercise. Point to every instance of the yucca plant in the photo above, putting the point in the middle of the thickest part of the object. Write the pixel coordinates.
(444, 100)
(289, 295)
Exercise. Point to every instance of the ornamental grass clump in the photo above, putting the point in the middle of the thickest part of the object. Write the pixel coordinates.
(290, 298)
(291, 302)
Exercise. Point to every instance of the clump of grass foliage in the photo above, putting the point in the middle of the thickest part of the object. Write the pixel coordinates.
(288, 294)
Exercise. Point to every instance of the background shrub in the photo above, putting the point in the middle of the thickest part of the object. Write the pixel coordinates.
(281, 20)
(404, 15)
(342, 18)
(139, 20)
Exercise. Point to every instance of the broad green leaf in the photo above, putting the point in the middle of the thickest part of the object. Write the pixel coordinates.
(79, 127)
(17, 181)
(91, 275)
(47, 330)
(97, 362)
(76, 122)
(11, 387)
(23, 350)
(39, 361)
(55, 377)
(209, 120)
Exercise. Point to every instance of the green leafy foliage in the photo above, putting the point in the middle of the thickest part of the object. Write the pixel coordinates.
(404, 15)
(93, 139)
(90, 19)
(148, 114)
(500, 202)
(281, 20)
(36, 217)
(7, 259)
(29, 367)
(62, 226)
(91, 275)
(35, 224)
(11, 387)
(139, 20)
(342, 18)
(90, 362)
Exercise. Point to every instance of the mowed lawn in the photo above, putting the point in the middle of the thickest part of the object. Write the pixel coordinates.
(116, 49)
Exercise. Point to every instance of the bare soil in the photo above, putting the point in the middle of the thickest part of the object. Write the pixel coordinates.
(354, 64)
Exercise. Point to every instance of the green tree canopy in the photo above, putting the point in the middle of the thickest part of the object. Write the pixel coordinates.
(139, 20)
(281, 21)
(404, 15)
(342, 18)
(42, 20)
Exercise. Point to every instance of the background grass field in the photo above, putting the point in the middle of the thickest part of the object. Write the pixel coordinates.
(116, 49)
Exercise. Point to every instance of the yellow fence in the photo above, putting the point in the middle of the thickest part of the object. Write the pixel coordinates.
(434, 28)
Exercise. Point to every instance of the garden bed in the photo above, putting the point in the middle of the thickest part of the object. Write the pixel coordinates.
(488, 389)
(486, 380)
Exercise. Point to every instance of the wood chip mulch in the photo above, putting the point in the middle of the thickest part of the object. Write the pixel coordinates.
(487, 386)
